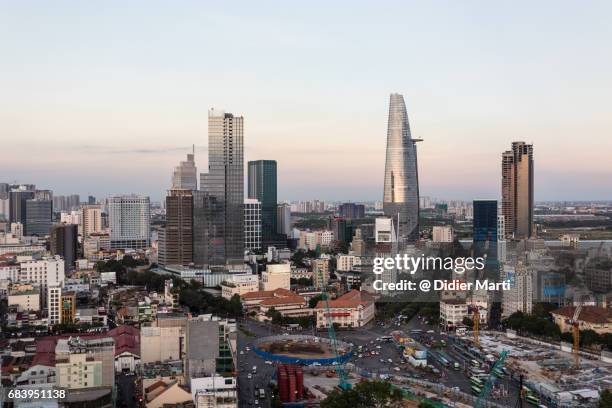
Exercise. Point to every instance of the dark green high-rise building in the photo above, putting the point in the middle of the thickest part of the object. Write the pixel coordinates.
(263, 187)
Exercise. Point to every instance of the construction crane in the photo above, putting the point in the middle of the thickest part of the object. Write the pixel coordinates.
(343, 383)
(488, 386)
(475, 320)
(576, 334)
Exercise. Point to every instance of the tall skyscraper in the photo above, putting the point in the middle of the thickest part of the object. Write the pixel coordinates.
(129, 219)
(262, 186)
(517, 190)
(186, 174)
(63, 239)
(401, 189)
(218, 208)
(176, 240)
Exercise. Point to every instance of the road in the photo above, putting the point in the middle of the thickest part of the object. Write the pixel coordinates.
(376, 364)
(247, 359)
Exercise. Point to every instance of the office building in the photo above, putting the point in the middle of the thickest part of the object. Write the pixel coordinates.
(90, 219)
(39, 216)
(185, 175)
(63, 241)
(351, 211)
(129, 219)
(283, 219)
(176, 238)
(262, 186)
(401, 186)
(18, 199)
(252, 224)
(485, 234)
(517, 190)
(218, 209)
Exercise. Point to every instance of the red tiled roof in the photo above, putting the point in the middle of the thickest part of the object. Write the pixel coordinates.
(262, 294)
(589, 314)
(352, 299)
(285, 300)
(127, 338)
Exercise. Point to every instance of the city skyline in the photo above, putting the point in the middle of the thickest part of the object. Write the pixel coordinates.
(476, 78)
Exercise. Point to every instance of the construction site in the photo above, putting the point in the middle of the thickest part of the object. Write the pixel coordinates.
(555, 374)
(302, 349)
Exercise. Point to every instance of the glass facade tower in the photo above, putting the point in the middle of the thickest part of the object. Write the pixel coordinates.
(218, 209)
(401, 190)
(262, 186)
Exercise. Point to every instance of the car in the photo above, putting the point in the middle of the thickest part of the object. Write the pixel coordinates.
(268, 362)
(378, 347)
(389, 360)
(241, 352)
(249, 376)
(381, 360)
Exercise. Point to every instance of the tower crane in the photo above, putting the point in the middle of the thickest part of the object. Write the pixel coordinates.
(343, 383)
(475, 322)
(576, 334)
(488, 386)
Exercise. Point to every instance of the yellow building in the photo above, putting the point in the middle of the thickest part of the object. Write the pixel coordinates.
(68, 307)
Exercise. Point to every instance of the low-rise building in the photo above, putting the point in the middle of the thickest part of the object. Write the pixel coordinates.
(452, 312)
(282, 300)
(25, 297)
(594, 318)
(353, 309)
(239, 284)
(216, 391)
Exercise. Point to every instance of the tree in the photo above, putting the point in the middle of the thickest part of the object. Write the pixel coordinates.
(366, 394)
(605, 399)
(312, 303)
(235, 305)
(426, 404)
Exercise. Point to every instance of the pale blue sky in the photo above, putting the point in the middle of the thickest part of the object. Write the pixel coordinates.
(105, 98)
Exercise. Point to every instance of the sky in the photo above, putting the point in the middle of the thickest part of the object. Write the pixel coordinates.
(107, 97)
